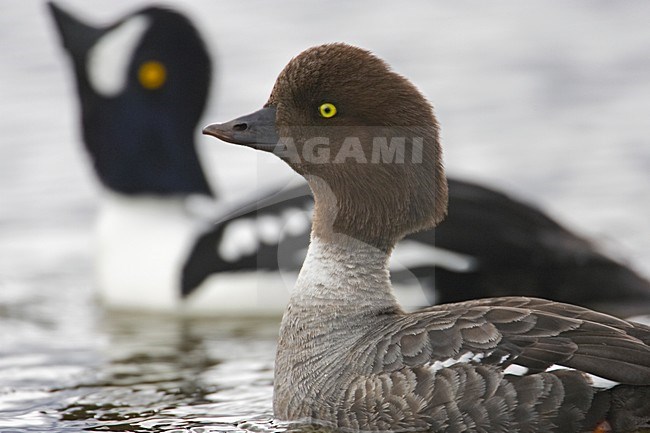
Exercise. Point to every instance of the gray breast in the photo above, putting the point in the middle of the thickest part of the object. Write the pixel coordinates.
(446, 369)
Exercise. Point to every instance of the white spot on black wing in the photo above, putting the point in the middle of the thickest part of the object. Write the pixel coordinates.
(269, 228)
(239, 240)
(296, 221)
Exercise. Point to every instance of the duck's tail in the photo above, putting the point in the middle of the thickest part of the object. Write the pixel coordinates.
(629, 409)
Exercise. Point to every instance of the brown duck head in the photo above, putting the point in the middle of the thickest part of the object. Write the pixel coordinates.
(362, 135)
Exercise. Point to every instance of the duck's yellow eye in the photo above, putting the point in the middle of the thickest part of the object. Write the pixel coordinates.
(327, 110)
(152, 75)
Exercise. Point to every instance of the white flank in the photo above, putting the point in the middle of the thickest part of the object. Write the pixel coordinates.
(108, 61)
(255, 293)
(143, 244)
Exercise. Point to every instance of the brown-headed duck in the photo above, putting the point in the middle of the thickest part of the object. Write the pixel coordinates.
(348, 356)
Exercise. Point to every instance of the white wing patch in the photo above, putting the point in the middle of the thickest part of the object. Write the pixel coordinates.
(464, 358)
(297, 221)
(239, 239)
(596, 381)
(108, 60)
(410, 254)
(516, 370)
(269, 228)
(601, 382)
(244, 236)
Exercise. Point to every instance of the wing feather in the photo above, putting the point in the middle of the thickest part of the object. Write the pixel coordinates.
(529, 332)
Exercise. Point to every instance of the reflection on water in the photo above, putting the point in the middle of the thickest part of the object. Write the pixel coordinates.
(136, 373)
(67, 366)
(169, 373)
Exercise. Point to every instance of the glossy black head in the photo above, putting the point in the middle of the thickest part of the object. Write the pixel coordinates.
(142, 83)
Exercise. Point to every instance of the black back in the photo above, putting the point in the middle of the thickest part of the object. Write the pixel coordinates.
(517, 250)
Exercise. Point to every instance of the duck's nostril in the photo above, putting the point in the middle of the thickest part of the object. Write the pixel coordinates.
(240, 127)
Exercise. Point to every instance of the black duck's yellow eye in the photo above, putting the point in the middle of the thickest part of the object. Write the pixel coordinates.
(152, 75)
(327, 110)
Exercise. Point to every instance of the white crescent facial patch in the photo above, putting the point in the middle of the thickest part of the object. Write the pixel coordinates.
(108, 60)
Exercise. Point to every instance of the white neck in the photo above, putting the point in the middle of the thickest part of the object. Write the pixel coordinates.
(340, 285)
(348, 276)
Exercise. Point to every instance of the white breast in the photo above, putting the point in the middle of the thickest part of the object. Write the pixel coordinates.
(142, 245)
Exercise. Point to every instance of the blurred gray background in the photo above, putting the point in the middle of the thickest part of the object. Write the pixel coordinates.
(548, 100)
